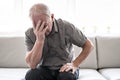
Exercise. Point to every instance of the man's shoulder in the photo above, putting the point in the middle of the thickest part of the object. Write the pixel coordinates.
(65, 24)
(29, 31)
(62, 21)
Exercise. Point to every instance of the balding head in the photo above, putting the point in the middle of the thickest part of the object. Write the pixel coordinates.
(40, 14)
(39, 9)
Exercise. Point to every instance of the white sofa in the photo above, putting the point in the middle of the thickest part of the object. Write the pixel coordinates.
(103, 63)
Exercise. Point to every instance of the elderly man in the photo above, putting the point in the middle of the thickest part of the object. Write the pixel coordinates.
(50, 44)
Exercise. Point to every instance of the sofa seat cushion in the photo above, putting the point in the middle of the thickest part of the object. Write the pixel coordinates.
(12, 73)
(90, 74)
(111, 73)
(19, 74)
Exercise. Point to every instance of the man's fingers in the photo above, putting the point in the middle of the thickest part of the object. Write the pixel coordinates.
(38, 25)
(42, 26)
(44, 30)
(68, 69)
(63, 68)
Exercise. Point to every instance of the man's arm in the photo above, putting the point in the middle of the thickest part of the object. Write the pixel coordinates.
(33, 57)
(86, 49)
(79, 39)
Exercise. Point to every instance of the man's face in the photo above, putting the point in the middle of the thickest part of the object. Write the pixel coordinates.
(48, 21)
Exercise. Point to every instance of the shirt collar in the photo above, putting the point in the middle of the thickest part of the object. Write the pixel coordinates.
(55, 27)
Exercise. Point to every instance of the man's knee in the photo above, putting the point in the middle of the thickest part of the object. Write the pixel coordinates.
(32, 74)
(66, 76)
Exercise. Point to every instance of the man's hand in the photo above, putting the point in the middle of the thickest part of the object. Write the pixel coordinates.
(33, 57)
(67, 67)
(39, 31)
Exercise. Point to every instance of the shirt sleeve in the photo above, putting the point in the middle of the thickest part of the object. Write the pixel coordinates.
(28, 42)
(75, 35)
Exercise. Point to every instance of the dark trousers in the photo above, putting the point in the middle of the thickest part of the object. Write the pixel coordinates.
(43, 73)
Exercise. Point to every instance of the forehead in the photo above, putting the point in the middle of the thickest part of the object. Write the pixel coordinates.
(40, 17)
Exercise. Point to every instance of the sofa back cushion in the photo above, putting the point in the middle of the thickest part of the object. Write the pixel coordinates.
(108, 49)
(91, 61)
(12, 52)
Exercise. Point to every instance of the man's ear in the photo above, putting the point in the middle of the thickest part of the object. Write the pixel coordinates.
(52, 17)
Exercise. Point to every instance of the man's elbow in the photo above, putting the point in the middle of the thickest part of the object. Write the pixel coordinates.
(30, 64)
(89, 45)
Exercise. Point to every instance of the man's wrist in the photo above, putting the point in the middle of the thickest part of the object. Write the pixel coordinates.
(75, 64)
(39, 42)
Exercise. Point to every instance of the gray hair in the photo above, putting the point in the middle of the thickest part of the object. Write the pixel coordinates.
(39, 9)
